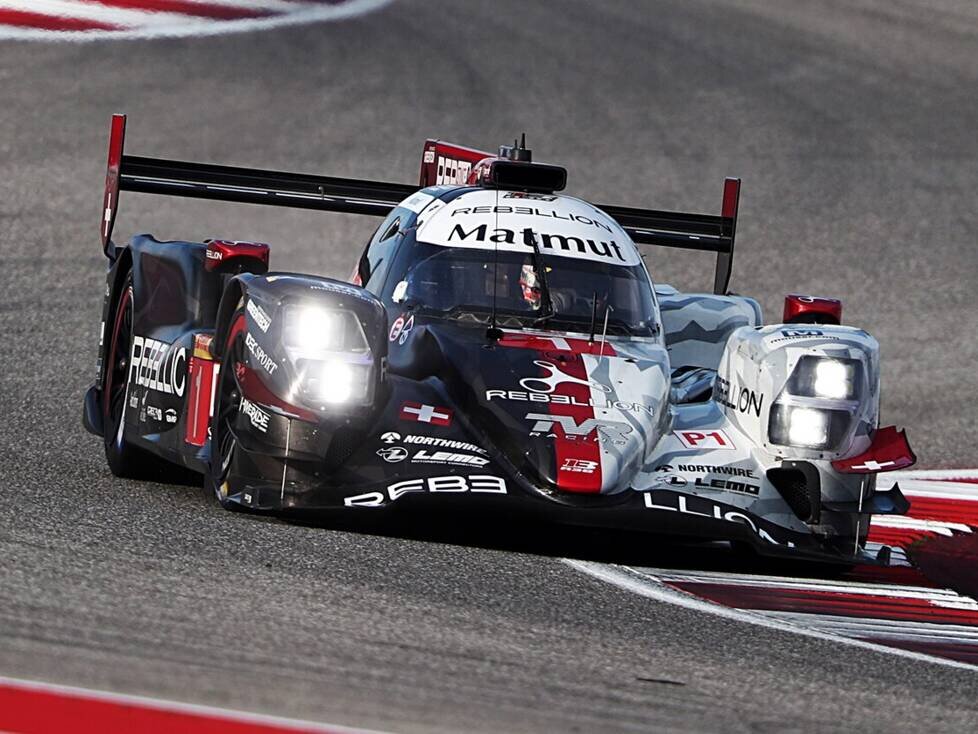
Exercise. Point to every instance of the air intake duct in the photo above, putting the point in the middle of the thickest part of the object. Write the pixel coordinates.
(799, 484)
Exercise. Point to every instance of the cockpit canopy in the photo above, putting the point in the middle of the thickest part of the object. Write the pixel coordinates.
(569, 294)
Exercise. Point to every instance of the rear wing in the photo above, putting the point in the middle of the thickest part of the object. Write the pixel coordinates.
(704, 232)
(442, 163)
(243, 185)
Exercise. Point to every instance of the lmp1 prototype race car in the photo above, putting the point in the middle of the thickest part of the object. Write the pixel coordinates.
(500, 345)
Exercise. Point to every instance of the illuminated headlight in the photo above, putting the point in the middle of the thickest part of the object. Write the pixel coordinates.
(823, 377)
(311, 330)
(807, 427)
(331, 355)
(337, 381)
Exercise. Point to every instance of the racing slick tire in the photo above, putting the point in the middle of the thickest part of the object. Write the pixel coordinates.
(227, 403)
(124, 459)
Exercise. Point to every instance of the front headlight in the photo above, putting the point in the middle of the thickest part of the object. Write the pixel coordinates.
(312, 330)
(807, 427)
(824, 377)
(331, 355)
(342, 379)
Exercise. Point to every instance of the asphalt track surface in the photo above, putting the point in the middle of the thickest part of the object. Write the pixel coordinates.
(853, 126)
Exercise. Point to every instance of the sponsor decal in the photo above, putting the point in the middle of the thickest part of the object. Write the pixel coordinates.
(579, 466)
(572, 430)
(447, 457)
(556, 378)
(734, 471)
(672, 502)
(347, 290)
(392, 437)
(401, 329)
(704, 439)
(170, 415)
(260, 355)
(728, 484)
(134, 401)
(451, 171)
(153, 365)
(475, 483)
(789, 334)
(529, 195)
(214, 254)
(421, 413)
(418, 201)
(429, 156)
(262, 319)
(741, 399)
(393, 454)
(539, 397)
(153, 412)
(257, 416)
(533, 212)
(556, 243)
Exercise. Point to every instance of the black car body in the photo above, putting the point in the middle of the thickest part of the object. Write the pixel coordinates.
(501, 344)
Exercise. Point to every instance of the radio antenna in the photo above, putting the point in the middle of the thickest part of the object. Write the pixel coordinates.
(604, 332)
(494, 333)
(594, 316)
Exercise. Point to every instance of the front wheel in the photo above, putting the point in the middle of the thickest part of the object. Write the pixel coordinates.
(224, 443)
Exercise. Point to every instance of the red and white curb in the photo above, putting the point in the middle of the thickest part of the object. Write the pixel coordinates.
(906, 609)
(28, 707)
(83, 20)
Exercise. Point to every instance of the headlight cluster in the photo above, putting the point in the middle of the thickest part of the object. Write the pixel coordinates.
(331, 354)
(822, 377)
(815, 409)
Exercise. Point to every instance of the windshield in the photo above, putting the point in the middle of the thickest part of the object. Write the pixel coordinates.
(459, 283)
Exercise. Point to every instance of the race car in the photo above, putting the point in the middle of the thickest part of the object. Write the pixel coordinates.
(499, 345)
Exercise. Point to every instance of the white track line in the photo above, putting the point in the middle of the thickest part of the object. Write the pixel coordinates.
(922, 483)
(912, 523)
(198, 27)
(966, 474)
(651, 588)
(961, 491)
(893, 629)
(160, 704)
(787, 583)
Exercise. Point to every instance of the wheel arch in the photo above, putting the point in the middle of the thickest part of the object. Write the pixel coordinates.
(235, 292)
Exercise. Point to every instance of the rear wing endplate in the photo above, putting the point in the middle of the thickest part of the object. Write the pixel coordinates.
(442, 163)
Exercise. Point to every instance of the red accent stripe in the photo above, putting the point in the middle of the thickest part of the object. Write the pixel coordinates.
(944, 510)
(202, 10)
(31, 711)
(110, 199)
(731, 197)
(548, 344)
(899, 537)
(827, 602)
(25, 19)
(579, 451)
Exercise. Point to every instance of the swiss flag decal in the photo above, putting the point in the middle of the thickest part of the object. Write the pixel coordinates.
(422, 413)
